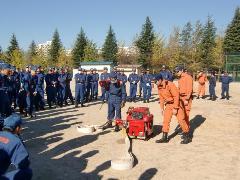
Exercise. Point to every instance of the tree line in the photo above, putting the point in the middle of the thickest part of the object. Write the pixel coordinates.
(196, 46)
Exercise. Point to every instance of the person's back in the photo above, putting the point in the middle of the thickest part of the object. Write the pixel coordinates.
(12, 151)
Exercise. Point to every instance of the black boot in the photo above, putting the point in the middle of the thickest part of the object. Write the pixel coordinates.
(72, 102)
(144, 101)
(186, 138)
(82, 105)
(107, 125)
(116, 129)
(148, 101)
(66, 103)
(197, 97)
(164, 138)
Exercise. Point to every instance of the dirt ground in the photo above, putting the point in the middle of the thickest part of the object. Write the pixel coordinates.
(58, 151)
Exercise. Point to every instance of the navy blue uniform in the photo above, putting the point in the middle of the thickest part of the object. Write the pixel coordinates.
(51, 88)
(226, 80)
(140, 84)
(80, 80)
(62, 78)
(147, 87)
(68, 87)
(94, 85)
(133, 79)
(12, 151)
(166, 74)
(123, 79)
(105, 92)
(40, 90)
(117, 95)
(212, 85)
(5, 105)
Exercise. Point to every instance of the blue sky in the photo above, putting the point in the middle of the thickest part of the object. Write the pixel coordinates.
(37, 19)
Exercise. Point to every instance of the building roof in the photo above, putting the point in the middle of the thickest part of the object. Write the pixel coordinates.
(96, 63)
(129, 66)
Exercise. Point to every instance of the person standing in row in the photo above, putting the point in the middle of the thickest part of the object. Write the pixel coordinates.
(62, 79)
(141, 83)
(68, 87)
(80, 81)
(133, 80)
(94, 85)
(212, 85)
(202, 79)
(51, 88)
(147, 86)
(226, 80)
(104, 77)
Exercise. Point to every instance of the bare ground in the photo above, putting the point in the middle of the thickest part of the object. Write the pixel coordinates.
(59, 152)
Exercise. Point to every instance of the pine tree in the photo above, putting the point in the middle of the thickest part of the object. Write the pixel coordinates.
(17, 58)
(13, 45)
(232, 37)
(110, 47)
(90, 52)
(32, 52)
(208, 43)
(78, 50)
(55, 48)
(173, 48)
(158, 56)
(145, 43)
(186, 43)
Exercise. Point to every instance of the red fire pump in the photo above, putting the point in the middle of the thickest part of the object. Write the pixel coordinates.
(139, 123)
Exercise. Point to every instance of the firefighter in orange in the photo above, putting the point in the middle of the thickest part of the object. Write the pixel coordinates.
(171, 105)
(202, 78)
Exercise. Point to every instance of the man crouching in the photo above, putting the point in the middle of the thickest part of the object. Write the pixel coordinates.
(170, 105)
(116, 100)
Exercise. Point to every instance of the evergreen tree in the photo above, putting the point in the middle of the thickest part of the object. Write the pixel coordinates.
(90, 52)
(78, 50)
(158, 56)
(186, 43)
(55, 49)
(17, 58)
(232, 37)
(110, 47)
(145, 43)
(173, 48)
(32, 52)
(208, 43)
(13, 45)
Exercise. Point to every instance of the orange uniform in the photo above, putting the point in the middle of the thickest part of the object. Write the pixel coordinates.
(185, 85)
(169, 100)
(202, 78)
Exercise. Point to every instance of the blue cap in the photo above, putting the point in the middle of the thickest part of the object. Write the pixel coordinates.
(113, 75)
(12, 122)
(178, 68)
(105, 68)
(33, 68)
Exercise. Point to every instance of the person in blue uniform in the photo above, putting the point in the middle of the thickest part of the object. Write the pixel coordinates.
(51, 87)
(56, 74)
(34, 96)
(68, 87)
(226, 80)
(133, 80)
(5, 105)
(122, 78)
(80, 79)
(62, 79)
(147, 86)
(165, 74)
(26, 87)
(116, 100)
(212, 85)
(141, 83)
(94, 85)
(103, 78)
(90, 79)
(16, 86)
(13, 151)
(40, 87)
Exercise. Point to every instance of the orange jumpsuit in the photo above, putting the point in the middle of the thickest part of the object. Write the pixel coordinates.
(202, 78)
(169, 100)
(185, 85)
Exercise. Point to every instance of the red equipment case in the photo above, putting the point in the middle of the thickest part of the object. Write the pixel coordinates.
(139, 122)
